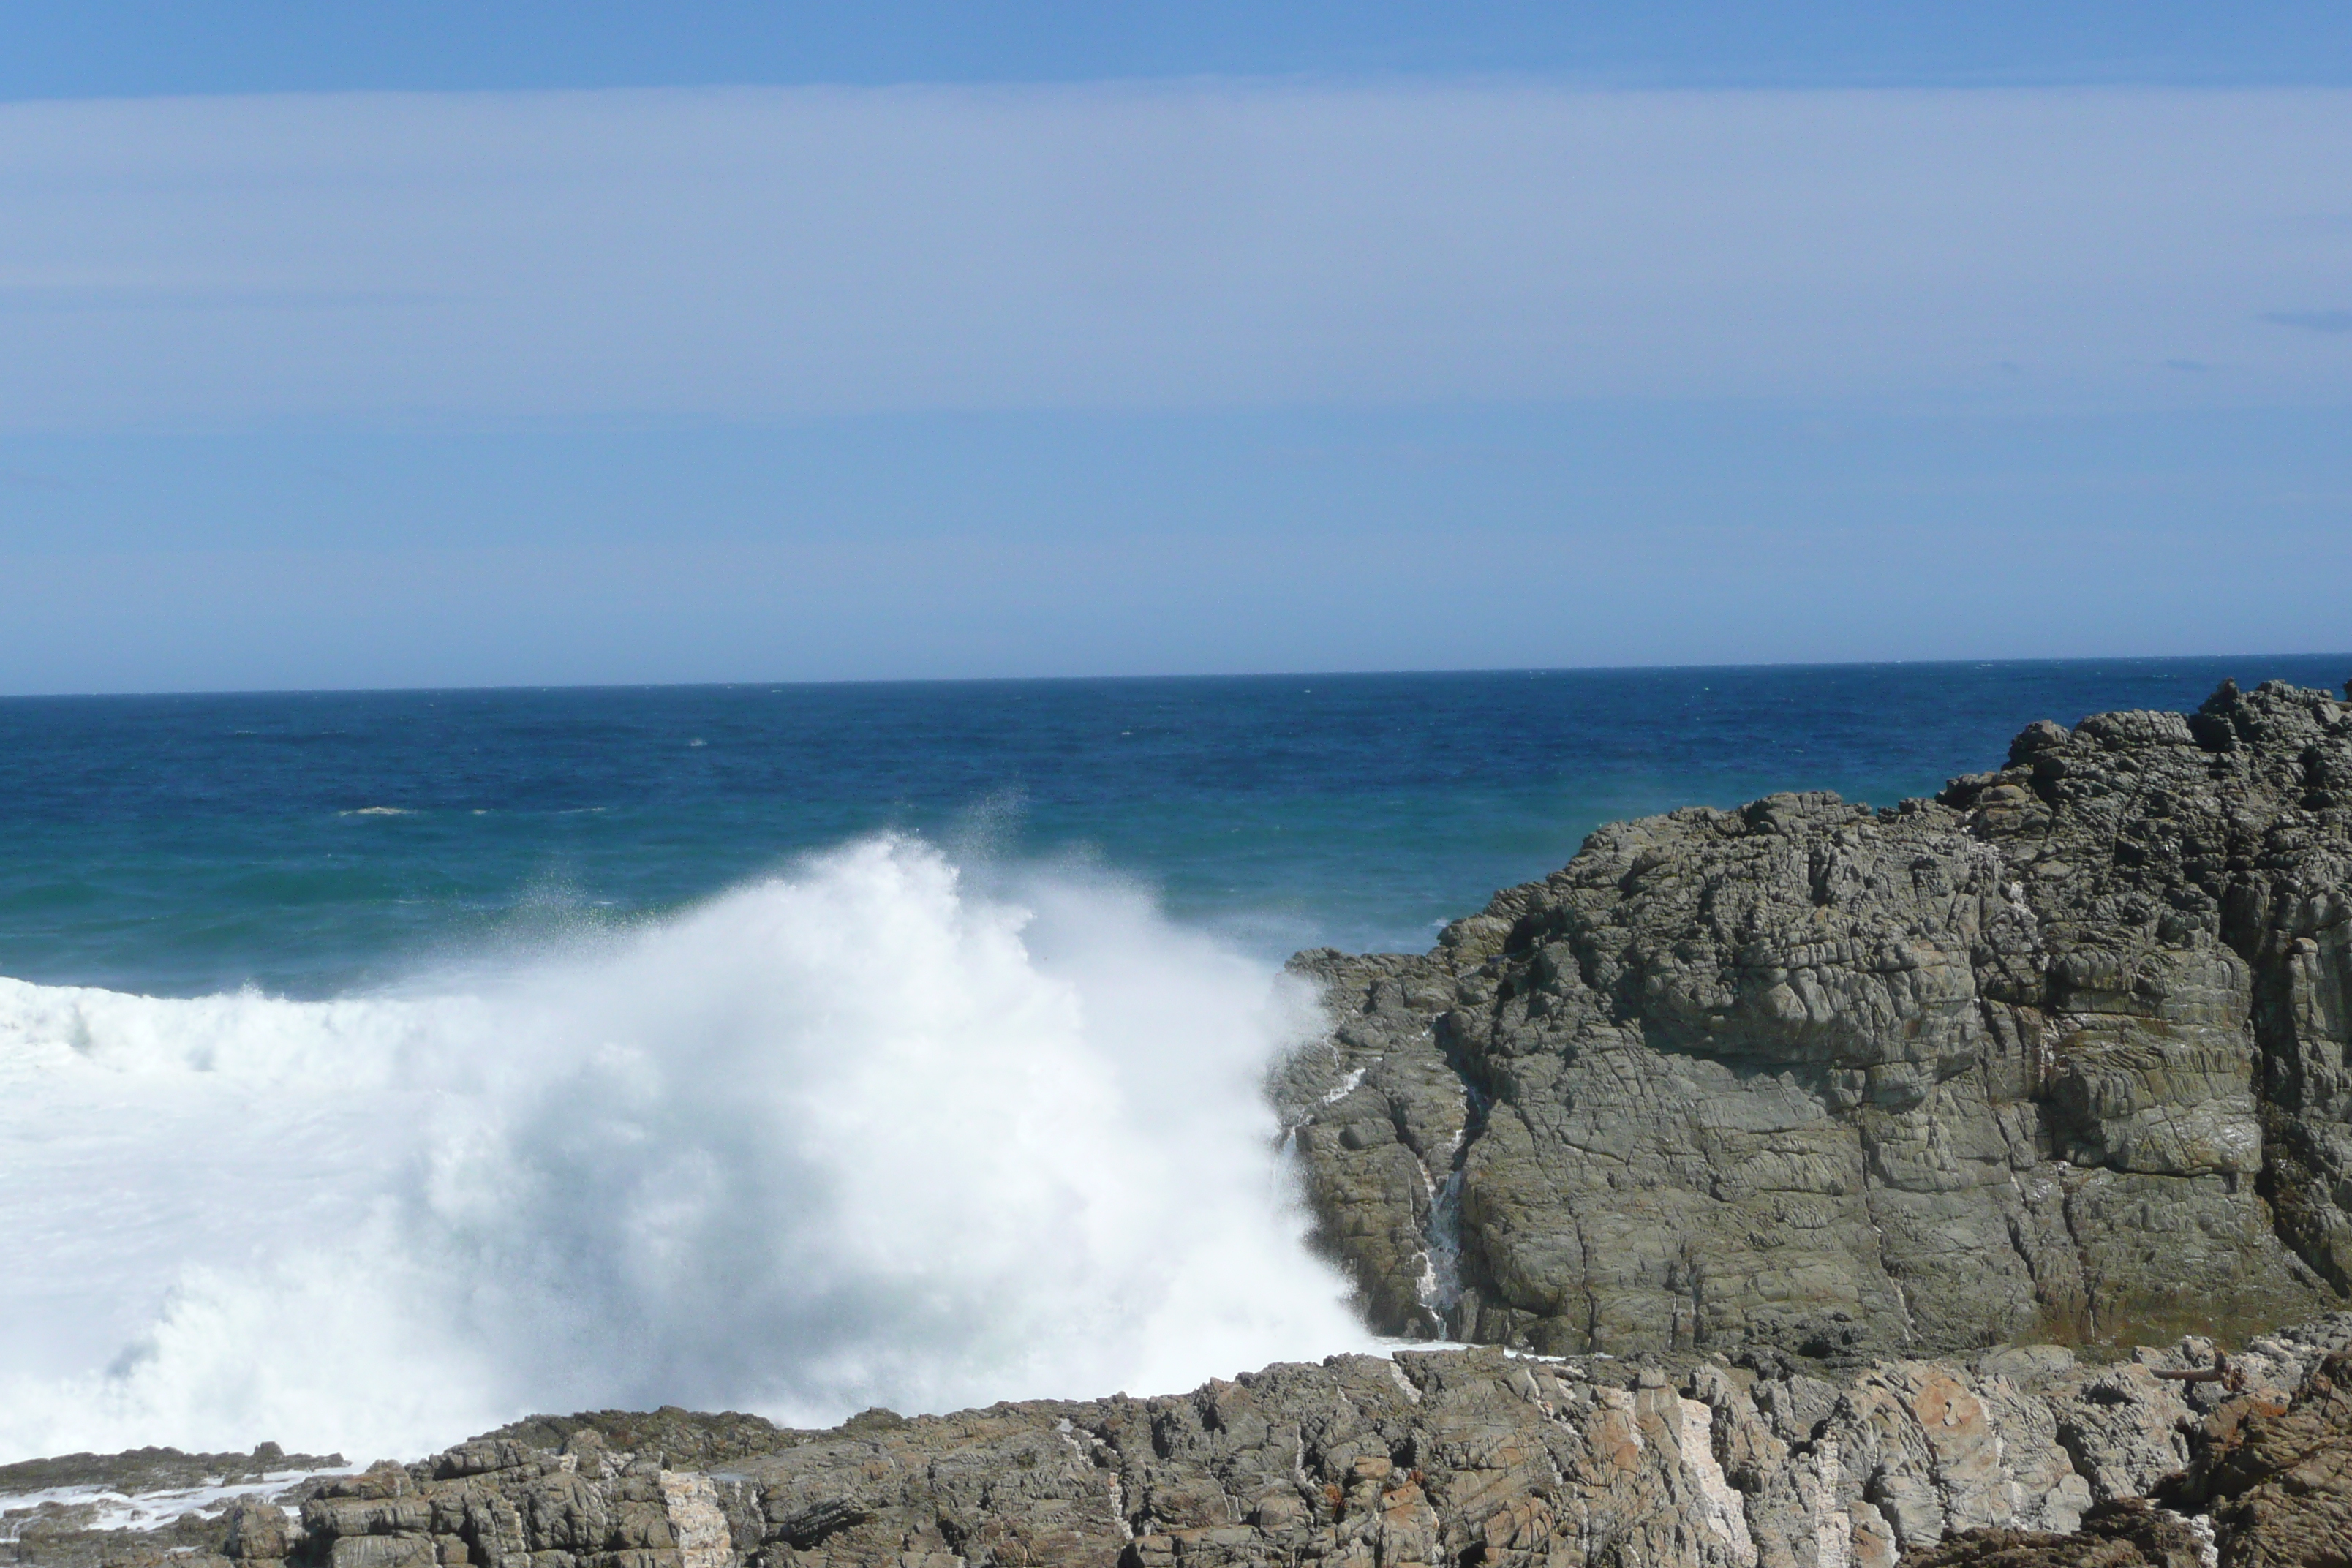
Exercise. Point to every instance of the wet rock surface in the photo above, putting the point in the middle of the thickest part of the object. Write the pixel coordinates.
(156, 1470)
(2059, 1055)
(147, 1507)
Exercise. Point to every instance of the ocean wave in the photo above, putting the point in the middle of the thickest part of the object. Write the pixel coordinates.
(860, 1135)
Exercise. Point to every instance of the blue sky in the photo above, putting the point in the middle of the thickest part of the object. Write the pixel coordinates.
(432, 344)
(108, 49)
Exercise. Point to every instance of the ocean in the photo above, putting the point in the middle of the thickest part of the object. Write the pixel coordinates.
(376, 1068)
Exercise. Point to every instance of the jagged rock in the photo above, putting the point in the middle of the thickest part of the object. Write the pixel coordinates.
(2060, 1054)
(1460, 1458)
(684, 1437)
(258, 1531)
(1452, 1458)
(2275, 1475)
(2127, 1534)
(83, 1528)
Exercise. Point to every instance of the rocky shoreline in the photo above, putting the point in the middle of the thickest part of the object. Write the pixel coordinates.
(1823, 1187)
(1451, 1458)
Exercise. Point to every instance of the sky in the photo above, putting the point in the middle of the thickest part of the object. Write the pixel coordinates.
(432, 344)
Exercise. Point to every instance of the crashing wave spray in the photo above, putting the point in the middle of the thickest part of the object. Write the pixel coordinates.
(857, 1135)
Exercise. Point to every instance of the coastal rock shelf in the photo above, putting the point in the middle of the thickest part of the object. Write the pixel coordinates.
(1456, 1458)
(2059, 1055)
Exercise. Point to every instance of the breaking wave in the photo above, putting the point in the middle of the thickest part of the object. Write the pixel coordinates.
(859, 1134)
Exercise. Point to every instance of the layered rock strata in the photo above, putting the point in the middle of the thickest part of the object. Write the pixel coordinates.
(1451, 1458)
(2058, 1055)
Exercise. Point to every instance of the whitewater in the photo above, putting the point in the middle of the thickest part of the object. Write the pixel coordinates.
(875, 1131)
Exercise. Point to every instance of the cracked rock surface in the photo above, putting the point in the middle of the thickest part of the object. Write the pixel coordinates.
(2060, 1054)
(1459, 1457)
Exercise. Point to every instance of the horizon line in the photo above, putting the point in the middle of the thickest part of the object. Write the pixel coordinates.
(1162, 677)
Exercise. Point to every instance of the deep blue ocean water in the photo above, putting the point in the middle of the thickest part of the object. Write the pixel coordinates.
(312, 844)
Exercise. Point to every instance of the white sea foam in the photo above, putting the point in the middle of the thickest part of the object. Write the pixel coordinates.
(111, 1510)
(860, 1135)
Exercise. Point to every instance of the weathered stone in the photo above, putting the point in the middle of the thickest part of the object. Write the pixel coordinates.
(2059, 1055)
(381, 1552)
(2130, 1534)
(2276, 1476)
(259, 1531)
(1456, 1458)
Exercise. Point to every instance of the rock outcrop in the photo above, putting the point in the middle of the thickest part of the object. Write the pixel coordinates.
(2059, 1055)
(1456, 1458)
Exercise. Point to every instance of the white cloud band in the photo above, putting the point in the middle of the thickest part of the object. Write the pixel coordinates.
(740, 253)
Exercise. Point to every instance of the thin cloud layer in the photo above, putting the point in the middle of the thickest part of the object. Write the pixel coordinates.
(746, 253)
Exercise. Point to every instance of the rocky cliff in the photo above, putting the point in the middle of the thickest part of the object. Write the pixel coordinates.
(2059, 1055)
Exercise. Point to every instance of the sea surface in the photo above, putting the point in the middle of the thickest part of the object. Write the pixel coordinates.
(379, 1067)
(315, 844)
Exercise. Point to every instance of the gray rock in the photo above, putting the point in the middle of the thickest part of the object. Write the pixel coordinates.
(1467, 1458)
(158, 1470)
(258, 1531)
(2060, 1054)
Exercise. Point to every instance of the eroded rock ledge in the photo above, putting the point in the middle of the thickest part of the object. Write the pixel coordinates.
(2059, 1055)
(1449, 1458)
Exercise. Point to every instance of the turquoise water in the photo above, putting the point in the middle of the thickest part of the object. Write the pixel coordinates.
(313, 844)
